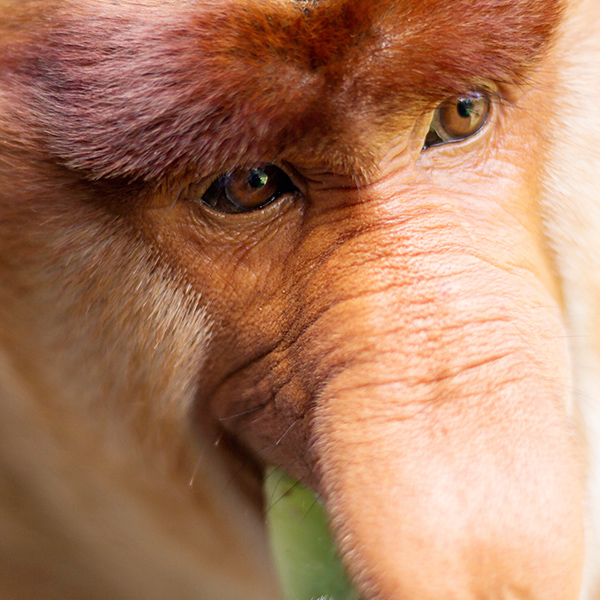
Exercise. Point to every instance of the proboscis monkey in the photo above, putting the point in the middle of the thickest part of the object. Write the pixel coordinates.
(358, 239)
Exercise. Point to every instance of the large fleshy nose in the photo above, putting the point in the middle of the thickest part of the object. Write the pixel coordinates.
(446, 451)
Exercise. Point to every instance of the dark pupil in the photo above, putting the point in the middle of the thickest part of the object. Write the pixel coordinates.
(465, 108)
(257, 178)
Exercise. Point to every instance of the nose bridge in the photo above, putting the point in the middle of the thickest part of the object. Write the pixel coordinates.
(401, 255)
(403, 280)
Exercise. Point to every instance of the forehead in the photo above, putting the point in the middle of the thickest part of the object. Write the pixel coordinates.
(143, 87)
(427, 43)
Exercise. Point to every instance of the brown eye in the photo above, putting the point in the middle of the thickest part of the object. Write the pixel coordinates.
(458, 118)
(247, 189)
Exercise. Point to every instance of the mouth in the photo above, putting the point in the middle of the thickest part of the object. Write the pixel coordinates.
(305, 554)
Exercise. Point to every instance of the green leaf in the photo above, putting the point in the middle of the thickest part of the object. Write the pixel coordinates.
(303, 548)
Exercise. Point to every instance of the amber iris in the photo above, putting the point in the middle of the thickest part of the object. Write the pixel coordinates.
(247, 188)
(458, 118)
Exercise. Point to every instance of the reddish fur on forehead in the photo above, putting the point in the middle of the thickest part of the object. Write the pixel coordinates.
(143, 89)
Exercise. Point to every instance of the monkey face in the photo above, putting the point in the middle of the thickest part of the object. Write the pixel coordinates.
(315, 233)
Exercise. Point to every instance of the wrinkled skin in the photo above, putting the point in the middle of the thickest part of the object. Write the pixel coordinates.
(400, 331)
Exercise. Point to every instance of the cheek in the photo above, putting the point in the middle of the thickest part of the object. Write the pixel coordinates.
(236, 265)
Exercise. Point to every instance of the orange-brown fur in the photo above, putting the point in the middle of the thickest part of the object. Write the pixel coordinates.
(394, 334)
